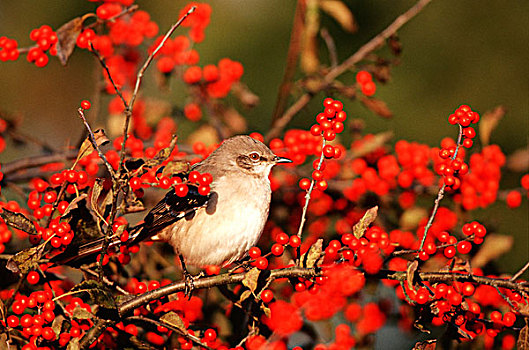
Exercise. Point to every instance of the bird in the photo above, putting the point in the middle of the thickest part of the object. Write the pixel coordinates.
(218, 228)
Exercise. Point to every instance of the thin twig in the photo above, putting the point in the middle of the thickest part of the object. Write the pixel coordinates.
(130, 305)
(101, 60)
(186, 335)
(440, 195)
(520, 272)
(279, 124)
(36, 161)
(331, 46)
(92, 138)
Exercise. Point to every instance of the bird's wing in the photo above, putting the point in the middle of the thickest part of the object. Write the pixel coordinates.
(168, 211)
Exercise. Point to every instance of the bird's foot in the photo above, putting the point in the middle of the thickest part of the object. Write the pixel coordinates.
(243, 263)
(189, 281)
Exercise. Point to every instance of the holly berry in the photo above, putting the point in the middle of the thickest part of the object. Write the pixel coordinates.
(85, 104)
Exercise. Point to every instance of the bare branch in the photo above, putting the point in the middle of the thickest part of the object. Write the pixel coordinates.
(280, 123)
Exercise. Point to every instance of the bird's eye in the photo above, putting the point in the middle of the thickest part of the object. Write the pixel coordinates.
(254, 156)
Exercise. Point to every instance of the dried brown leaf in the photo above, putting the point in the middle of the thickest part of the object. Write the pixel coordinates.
(488, 123)
(341, 13)
(245, 96)
(377, 106)
(266, 310)
(94, 196)
(426, 345)
(410, 273)
(314, 256)
(245, 295)
(67, 37)
(82, 313)
(171, 318)
(99, 294)
(73, 344)
(234, 121)
(374, 143)
(18, 221)
(518, 161)
(87, 147)
(361, 226)
(74, 204)
(176, 167)
(26, 260)
(492, 248)
(250, 279)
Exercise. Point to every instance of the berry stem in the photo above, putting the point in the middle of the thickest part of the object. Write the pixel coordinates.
(440, 195)
(308, 195)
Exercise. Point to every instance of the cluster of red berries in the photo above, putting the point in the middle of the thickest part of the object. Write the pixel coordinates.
(329, 123)
(173, 53)
(197, 21)
(479, 188)
(132, 30)
(365, 80)
(514, 197)
(8, 49)
(102, 43)
(46, 40)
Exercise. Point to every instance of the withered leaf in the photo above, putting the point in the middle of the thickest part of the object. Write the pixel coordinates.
(426, 345)
(81, 313)
(361, 226)
(172, 319)
(420, 326)
(67, 37)
(26, 260)
(377, 106)
(395, 45)
(87, 148)
(176, 167)
(266, 310)
(488, 123)
(56, 325)
(376, 142)
(97, 292)
(341, 13)
(410, 273)
(492, 248)
(518, 161)
(94, 197)
(523, 338)
(245, 96)
(4, 345)
(73, 344)
(314, 256)
(245, 295)
(74, 204)
(18, 221)
(250, 279)
(234, 120)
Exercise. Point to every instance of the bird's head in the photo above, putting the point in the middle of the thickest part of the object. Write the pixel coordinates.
(243, 153)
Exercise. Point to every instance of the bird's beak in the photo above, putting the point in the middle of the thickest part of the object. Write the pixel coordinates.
(278, 159)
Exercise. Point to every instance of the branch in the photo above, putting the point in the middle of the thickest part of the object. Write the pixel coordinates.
(452, 276)
(129, 306)
(520, 272)
(359, 55)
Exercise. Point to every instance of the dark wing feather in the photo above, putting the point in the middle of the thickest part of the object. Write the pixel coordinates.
(168, 211)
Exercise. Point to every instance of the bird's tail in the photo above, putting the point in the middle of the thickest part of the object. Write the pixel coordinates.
(77, 255)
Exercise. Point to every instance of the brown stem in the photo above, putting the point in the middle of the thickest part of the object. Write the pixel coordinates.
(128, 306)
(520, 272)
(292, 60)
(280, 123)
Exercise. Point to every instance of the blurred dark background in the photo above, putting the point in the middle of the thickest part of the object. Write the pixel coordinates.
(454, 52)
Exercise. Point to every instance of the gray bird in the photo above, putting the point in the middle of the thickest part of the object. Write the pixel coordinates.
(221, 227)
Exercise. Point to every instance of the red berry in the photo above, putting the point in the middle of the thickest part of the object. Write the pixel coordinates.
(85, 104)
(33, 277)
(261, 263)
(254, 252)
(514, 199)
(267, 295)
(209, 335)
(304, 184)
(464, 247)
(295, 241)
(362, 77)
(328, 151)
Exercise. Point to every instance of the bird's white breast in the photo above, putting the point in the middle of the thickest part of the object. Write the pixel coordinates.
(224, 232)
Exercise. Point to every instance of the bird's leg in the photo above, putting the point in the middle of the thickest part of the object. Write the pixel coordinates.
(244, 263)
(189, 279)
